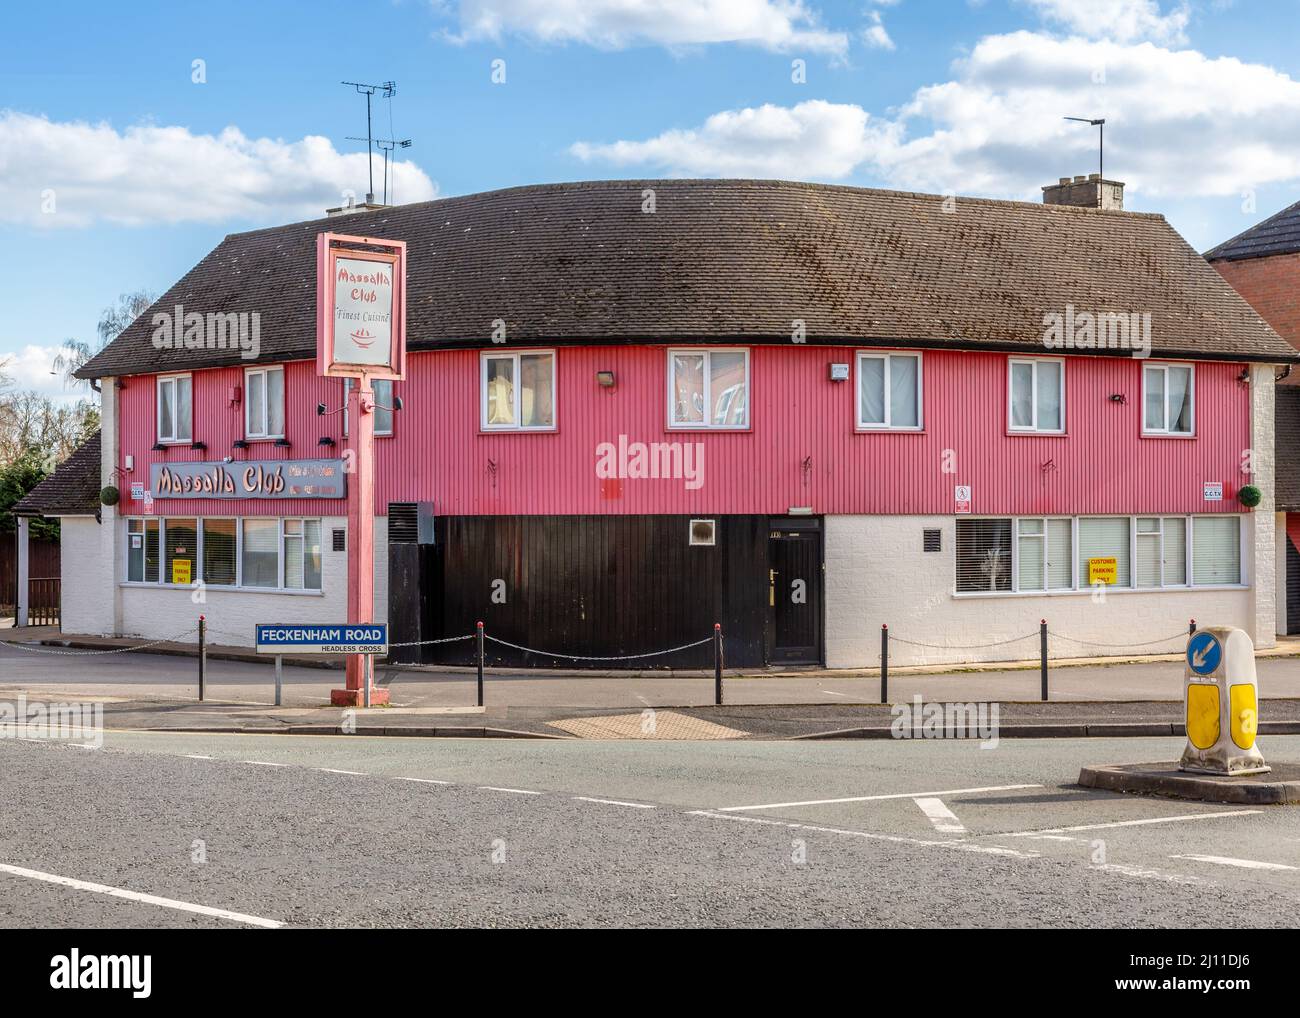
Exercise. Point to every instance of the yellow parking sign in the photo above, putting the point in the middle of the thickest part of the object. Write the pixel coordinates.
(1103, 570)
(181, 570)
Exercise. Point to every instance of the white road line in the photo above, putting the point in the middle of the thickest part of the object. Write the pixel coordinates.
(945, 820)
(1132, 823)
(147, 899)
(1246, 864)
(423, 781)
(265, 763)
(335, 770)
(613, 802)
(198, 756)
(1144, 873)
(512, 791)
(832, 692)
(875, 798)
(964, 846)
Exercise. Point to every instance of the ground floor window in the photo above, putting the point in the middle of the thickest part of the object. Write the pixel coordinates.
(271, 554)
(1078, 553)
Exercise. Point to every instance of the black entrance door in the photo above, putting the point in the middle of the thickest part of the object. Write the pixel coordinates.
(795, 595)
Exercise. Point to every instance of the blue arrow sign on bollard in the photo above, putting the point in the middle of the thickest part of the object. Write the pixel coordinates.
(1204, 652)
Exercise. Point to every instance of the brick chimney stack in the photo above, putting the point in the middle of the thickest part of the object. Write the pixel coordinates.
(1090, 192)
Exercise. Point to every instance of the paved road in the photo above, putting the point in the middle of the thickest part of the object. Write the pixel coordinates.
(407, 832)
(141, 676)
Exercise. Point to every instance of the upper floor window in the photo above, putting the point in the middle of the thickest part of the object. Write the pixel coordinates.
(1168, 397)
(264, 403)
(889, 391)
(518, 391)
(383, 390)
(1036, 388)
(174, 409)
(708, 388)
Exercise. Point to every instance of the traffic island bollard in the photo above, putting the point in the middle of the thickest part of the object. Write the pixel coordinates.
(1221, 704)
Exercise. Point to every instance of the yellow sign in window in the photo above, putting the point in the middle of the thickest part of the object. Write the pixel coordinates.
(180, 570)
(1103, 570)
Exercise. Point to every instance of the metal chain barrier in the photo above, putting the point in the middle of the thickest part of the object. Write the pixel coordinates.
(32, 648)
(587, 657)
(425, 643)
(1180, 635)
(959, 646)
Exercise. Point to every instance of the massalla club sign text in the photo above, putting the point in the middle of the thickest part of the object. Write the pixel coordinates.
(249, 479)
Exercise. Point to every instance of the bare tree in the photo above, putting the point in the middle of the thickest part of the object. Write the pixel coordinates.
(112, 321)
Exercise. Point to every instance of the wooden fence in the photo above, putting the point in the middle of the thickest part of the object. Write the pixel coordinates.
(42, 563)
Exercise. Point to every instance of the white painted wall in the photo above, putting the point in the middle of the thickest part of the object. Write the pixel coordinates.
(86, 580)
(1263, 567)
(876, 573)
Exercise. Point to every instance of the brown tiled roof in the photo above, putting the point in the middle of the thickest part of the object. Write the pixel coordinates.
(1278, 234)
(73, 488)
(727, 260)
(1286, 434)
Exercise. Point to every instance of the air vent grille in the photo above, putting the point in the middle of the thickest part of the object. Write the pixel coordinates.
(930, 540)
(403, 522)
(704, 532)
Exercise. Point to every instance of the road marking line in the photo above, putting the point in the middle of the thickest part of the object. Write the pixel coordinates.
(335, 770)
(1133, 823)
(876, 798)
(198, 756)
(833, 693)
(613, 802)
(963, 846)
(1050, 837)
(1144, 873)
(423, 781)
(944, 819)
(147, 899)
(512, 791)
(265, 763)
(1247, 864)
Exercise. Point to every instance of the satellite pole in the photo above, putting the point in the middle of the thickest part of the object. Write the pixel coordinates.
(1101, 141)
(386, 145)
(388, 89)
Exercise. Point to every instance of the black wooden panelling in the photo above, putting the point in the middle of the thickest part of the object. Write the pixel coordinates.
(1292, 587)
(598, 585)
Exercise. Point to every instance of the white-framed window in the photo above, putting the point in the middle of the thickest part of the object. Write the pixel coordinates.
(265, 554)
(1036, 395)
(518, 391)
(264, 402)
(1168, 399)
(889, 391)
(708, 388)
(1216, 550)
(282, 554)
(1046, 554)
(383, 390)
(1160, 551)
(175, 409)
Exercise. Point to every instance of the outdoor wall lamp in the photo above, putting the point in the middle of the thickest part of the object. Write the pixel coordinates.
(1118, 397)
(325, 440)
(1244, 377)
(605, 379)
(239, 443)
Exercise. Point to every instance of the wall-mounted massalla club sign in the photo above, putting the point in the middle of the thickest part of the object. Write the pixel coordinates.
(249, 479)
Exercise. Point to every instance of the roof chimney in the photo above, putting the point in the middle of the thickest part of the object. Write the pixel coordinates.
(1090, 192)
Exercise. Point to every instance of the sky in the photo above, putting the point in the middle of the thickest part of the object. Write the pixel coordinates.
(135, 135)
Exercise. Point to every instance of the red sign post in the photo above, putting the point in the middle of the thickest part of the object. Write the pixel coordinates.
(360, 334)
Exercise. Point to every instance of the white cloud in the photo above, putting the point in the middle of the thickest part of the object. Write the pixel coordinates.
(813, 139)
(1177, 123)
(148, 174)
(1121, 20)
(780, 25)
(874, 35)
(31, 368)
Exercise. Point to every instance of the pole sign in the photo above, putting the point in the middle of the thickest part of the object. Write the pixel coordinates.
(340, 638)
(360, 306)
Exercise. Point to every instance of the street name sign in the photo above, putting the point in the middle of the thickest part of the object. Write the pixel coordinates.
(338, 638)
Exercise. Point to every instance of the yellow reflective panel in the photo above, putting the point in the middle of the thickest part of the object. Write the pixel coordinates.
(1245, 714)
(1203, 715)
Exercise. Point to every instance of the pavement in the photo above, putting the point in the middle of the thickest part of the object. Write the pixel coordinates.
(207, 830)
